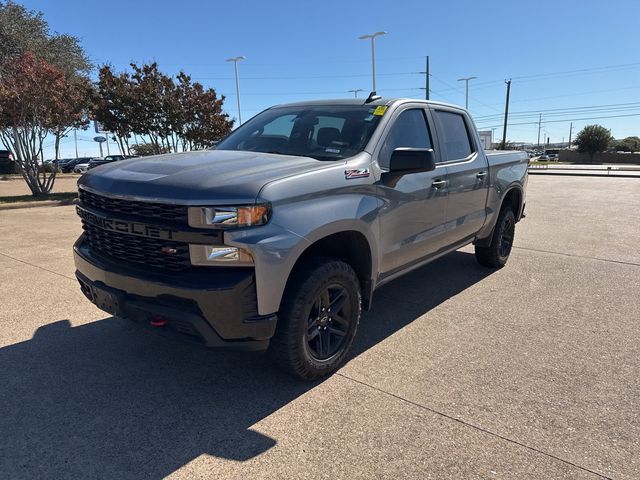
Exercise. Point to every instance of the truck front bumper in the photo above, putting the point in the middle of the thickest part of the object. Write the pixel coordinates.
(214, 307)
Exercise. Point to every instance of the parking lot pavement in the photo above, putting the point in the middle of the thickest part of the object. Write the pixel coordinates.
(458, 372)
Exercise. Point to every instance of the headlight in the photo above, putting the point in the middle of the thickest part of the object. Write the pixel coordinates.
(219, 255)
(229, 217)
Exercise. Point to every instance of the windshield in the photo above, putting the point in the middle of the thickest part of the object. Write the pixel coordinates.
(323, 132)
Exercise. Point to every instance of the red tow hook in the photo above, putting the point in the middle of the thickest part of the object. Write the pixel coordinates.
(158, 321)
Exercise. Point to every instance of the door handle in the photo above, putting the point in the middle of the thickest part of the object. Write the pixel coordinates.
(438, 183)
(481, 175)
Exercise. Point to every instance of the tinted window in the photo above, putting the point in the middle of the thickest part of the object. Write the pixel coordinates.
(408, 130)
(280, 126)
(453, 135)
(324, 132)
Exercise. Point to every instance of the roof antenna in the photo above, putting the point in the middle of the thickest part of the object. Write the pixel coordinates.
(372, 97)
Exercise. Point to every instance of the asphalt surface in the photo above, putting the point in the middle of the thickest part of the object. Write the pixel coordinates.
(458, 372)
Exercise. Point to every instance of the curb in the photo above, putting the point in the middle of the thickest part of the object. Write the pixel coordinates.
(578, 174)
(41, 203)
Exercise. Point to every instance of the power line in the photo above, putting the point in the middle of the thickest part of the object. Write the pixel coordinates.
(556, 111)
(567, 120)
(272, 64)
(463, 92)
(306, 77)
(559, 74)
(335, 92)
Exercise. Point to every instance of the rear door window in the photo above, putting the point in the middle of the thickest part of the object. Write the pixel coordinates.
(453, 135)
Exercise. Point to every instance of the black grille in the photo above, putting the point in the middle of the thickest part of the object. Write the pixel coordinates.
(173, 213)
(132, 248)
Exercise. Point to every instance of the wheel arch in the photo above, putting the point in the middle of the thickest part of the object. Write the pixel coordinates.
(513, 196)
(350, 246)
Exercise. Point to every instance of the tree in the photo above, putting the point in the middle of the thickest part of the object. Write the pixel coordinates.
(114, 105)
(146, 149)
(23, 31)
(173, 115)
(44, 89)
(629, 144)
(593, 139)
(36, 99)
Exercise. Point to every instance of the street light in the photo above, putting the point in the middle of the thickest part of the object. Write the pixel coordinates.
(466, 96)
(373, 36)
(235, 61)
(355, 91)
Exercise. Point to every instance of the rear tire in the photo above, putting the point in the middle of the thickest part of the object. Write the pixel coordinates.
(498, 251)
(318, 319)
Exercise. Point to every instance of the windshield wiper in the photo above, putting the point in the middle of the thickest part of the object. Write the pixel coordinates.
(275, 152)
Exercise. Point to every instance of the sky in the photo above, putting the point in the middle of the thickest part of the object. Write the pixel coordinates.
(570, 60)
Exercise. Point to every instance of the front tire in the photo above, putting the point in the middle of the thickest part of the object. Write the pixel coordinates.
(318, 319)
(498, 251)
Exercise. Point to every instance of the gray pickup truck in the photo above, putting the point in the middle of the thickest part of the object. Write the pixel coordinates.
(277, 239)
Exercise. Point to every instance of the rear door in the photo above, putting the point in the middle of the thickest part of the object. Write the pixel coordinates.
(412, 217)
(468, 173)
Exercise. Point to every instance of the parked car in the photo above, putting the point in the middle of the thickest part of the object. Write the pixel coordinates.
(7, 164)
(278, 238)
(96, 162)
(69, 165)
(543, 158)
(81, 167)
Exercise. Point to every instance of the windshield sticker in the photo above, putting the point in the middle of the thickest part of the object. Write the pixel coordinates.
(357, 173)
(380, 109)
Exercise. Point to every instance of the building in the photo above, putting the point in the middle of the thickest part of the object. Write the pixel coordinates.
(486, 139)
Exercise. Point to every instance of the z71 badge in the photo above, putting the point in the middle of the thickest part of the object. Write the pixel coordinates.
(357, 173)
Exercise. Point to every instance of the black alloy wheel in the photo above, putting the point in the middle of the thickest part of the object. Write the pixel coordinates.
(328, 322)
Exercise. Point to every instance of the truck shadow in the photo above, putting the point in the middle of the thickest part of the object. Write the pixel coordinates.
(106, 400)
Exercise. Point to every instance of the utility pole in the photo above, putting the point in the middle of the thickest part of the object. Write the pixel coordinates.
(235, 61)
(539, 125)
(373, 36)
(466, 90)
(355, 92)
(570, 132)
(75, 139)
(506, 114)
(426, 80)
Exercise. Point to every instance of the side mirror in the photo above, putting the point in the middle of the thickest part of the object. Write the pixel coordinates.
(412, 160)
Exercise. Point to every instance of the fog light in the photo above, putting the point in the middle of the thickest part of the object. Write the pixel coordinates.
(219, 255)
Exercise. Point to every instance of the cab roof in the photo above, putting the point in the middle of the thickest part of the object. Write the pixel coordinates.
(361, 101)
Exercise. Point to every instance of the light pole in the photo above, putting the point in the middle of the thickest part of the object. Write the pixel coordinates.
(355, 91)
(373, 36)
(235, 61)
(466, 95)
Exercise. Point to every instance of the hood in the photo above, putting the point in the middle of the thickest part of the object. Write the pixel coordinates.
(208, 176)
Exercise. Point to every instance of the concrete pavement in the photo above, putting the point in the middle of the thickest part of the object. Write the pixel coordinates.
(458, 372)
(608, 170)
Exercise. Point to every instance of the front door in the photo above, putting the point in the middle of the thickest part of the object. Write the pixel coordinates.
(413, 214)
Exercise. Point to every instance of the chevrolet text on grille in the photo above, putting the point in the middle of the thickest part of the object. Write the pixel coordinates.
(125, 227)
